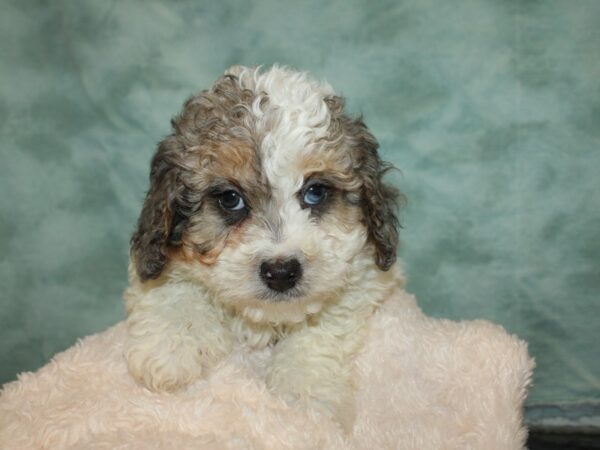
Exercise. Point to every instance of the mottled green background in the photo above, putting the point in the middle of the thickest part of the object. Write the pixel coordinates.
(490, 108)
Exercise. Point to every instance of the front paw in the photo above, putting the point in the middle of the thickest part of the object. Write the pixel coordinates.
(164, 363)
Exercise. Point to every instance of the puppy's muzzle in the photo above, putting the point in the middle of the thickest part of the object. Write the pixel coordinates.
(281, 275)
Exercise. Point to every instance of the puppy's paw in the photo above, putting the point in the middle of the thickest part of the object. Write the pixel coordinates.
(174, 336)
(164, 363)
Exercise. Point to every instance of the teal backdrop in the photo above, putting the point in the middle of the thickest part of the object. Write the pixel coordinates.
(491, 109)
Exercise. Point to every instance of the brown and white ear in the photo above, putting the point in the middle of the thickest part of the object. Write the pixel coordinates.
(159, 221)
(379, 200)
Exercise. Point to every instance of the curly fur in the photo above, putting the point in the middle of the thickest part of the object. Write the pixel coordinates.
(200, 317)
(195, 287)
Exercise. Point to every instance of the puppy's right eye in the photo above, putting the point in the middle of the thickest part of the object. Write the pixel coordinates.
(231, 201)
(315, 194)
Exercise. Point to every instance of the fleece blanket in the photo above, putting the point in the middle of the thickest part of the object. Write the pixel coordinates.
(422, 383)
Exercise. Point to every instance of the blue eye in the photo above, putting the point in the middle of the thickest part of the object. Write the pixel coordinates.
(231, 201)
(315, 194)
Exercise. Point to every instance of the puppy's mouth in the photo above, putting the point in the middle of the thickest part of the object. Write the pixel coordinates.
(289, 295)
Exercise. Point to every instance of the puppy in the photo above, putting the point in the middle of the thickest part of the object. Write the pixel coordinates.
(267, 223)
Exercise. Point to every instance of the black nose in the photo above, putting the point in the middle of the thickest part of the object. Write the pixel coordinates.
(281, 275)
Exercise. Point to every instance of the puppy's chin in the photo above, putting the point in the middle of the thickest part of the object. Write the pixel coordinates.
(268, 306)
(282, 309)
(292, 295)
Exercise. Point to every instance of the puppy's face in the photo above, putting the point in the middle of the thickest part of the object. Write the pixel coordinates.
(266, 193)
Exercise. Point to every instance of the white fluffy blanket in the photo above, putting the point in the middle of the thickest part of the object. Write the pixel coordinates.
(422, 384)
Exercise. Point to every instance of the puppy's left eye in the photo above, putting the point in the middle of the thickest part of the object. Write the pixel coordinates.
(231, 201)
(315, 194)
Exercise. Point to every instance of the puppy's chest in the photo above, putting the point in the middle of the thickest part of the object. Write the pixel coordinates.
(253, 361)
(257, 336)
(254, 343)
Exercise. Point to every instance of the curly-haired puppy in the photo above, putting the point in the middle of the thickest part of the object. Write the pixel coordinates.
(266, 224)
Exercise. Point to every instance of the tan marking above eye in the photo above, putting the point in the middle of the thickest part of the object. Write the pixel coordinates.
(229, 158)
(237, 162)
(328, 160)
(339, 180)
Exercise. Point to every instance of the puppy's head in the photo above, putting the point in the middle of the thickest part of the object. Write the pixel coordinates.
(267, 194)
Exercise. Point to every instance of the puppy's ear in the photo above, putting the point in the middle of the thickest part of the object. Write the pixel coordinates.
(159, 220)
(379, 200)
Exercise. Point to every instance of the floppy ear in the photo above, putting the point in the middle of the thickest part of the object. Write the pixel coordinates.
(379, 201)
(159, 224)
